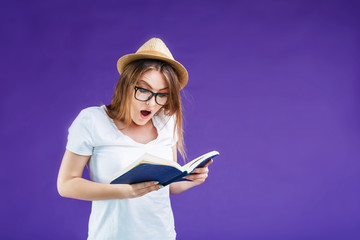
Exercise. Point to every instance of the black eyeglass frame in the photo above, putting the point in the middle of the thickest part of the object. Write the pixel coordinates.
(151, 95)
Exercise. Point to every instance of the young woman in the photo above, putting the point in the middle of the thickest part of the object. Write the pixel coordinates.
(144, 116)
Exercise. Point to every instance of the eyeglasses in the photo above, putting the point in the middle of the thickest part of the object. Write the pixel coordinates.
(144, 95)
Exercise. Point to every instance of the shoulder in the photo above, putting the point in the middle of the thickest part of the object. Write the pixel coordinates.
(166, 126)
(93, 113)
(89, 116)
(164, 121)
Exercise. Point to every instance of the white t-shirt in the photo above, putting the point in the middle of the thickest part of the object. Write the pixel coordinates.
(147, 217)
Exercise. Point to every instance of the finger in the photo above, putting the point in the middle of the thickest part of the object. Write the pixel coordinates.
(137, 192)
(196, 177)
(144, 185)
(208, 163)
(144, 191)
(200, 170)
(205, 166)
(198, 180)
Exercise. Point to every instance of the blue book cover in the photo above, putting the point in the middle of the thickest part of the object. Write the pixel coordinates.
(152, 168)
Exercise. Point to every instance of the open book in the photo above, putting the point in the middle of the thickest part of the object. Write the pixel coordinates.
(153, 168)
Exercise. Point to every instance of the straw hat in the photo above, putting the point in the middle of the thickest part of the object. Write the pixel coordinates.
(155, 48)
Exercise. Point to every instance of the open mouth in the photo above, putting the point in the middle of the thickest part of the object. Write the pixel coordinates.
(145, 113)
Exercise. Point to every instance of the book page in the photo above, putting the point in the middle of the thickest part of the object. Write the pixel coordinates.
(148, 159)
(189, 167)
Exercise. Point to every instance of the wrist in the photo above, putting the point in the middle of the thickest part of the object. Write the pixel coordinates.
(121, 191)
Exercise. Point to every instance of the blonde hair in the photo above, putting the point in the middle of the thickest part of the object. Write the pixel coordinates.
(120, 106)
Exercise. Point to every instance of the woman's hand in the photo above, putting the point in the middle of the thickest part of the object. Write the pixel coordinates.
(199, 175)
(140, 189)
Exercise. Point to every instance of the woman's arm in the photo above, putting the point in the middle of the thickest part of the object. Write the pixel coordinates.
(197, 177)
(71, 184)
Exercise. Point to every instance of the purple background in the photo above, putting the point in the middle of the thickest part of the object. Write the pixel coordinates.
(274, 86)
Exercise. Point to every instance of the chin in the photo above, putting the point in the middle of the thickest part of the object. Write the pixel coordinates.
(141, 122)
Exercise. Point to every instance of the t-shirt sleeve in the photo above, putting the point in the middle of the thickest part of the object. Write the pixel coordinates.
(80, 139)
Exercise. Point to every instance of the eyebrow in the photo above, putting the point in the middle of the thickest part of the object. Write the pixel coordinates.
(142, 81)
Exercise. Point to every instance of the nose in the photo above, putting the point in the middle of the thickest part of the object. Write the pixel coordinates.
(151, 102)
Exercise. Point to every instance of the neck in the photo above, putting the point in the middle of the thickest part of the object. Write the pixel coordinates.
(146, 126)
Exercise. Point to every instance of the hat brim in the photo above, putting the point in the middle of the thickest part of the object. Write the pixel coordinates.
(180, 69)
